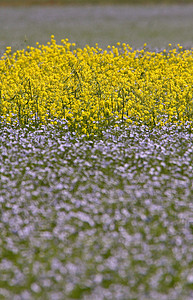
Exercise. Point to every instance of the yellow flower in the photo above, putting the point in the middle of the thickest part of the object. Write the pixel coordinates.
(92, 87)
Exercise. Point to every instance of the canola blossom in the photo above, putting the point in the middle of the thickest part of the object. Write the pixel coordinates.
(90, 89)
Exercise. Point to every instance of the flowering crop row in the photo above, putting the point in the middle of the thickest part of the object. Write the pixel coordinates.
(92, 88)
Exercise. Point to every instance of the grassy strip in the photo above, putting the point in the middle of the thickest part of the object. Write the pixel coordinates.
(74, 2)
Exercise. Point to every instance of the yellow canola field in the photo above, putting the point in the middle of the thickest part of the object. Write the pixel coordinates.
(90, 89)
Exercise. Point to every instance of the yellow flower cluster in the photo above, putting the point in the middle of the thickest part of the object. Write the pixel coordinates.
(91, 88)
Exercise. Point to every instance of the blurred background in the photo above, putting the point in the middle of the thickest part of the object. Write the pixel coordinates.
(106, 22)
(53, 2)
